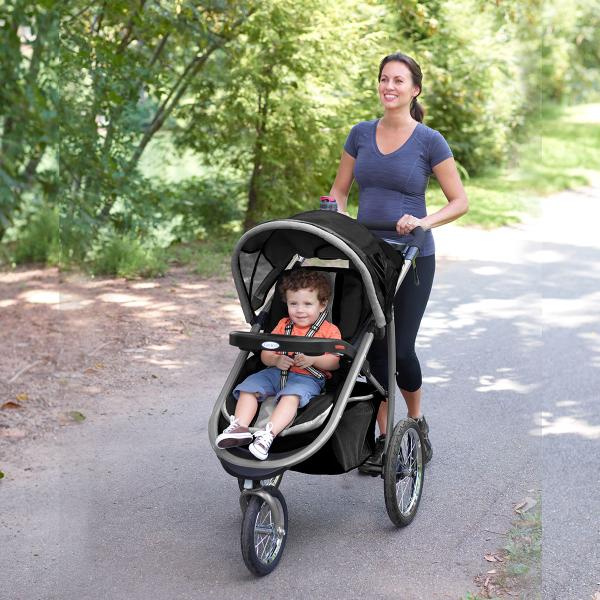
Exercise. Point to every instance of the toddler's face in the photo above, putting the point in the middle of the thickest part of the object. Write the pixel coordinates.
(304, 306)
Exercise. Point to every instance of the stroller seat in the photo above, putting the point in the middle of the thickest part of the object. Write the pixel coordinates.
(349, 310)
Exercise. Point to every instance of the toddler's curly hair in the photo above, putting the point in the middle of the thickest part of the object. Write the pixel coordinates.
(303, 279)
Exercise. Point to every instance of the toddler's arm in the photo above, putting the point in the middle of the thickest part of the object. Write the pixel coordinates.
(272, 359)
(325, 362)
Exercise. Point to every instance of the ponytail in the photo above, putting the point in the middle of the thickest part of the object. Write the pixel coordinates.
(417, 112)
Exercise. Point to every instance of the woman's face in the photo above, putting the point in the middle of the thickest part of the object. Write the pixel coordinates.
(396, 86)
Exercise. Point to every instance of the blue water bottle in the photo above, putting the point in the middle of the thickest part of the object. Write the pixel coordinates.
(328, 203)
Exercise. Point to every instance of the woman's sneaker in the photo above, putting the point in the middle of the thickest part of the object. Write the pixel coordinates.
(374, 464)
(262, 442)
(424, 428)
(234, 435)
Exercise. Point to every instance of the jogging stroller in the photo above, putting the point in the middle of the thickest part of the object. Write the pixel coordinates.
(335, 432)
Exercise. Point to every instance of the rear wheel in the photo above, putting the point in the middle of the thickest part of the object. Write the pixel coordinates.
(403, 473)
(264, 532)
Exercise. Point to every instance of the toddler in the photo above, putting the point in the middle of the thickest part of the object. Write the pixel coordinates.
(292, 379)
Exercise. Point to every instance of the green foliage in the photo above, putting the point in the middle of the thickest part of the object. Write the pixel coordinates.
(28, 99)
(570, 51)
(262, 94)
(275, 86)
(558, 136)
(214, 257)
(124, 256)
(471, 95)
(38, 240)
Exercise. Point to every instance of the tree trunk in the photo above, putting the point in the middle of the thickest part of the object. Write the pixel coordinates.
(253, 209)
(250, 219)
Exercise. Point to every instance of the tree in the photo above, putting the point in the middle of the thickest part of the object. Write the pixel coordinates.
(125, 68)
(28, 103)
(278, 102)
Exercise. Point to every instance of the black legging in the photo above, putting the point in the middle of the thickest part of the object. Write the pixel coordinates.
(409, 305)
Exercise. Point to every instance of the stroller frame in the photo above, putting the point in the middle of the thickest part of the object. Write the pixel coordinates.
(255, 497)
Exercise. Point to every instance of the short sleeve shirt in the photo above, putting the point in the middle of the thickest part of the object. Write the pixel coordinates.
(394, 184)
(327, 330)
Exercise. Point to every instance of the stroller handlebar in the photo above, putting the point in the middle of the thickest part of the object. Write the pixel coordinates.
(255, 342)
(414, 246)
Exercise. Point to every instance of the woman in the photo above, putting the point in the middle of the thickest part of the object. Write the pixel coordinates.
(392, 159)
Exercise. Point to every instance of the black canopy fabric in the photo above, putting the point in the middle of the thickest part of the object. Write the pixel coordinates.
(264, 252)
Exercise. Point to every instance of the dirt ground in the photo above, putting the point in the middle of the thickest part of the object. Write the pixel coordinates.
(70, 342)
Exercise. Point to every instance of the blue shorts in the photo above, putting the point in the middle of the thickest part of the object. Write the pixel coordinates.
(266, 383)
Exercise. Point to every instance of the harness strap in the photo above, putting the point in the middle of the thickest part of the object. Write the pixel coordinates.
(310, 333)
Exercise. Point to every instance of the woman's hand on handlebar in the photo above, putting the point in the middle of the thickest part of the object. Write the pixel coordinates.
(407, 223)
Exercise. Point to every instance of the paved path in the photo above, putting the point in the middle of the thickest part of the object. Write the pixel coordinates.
(133, 504)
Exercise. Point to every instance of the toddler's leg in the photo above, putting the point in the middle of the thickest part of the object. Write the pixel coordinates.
(246, 408)
(284, 413)
(282, 416)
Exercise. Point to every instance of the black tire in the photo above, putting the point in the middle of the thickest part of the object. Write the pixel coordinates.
(263, 540)
(404, 473)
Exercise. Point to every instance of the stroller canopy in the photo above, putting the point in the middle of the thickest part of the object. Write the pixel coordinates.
(264, 252)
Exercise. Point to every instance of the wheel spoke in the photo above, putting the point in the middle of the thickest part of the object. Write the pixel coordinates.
(266, 538)
(407, 484)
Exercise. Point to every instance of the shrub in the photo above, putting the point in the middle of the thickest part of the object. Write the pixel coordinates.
(125, 256)
(38, 238)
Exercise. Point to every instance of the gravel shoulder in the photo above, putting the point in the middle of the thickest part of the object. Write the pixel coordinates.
(72, 345)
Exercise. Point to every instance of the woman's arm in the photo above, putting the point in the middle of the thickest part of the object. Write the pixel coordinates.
(343, 181)
(447, 175)
(449, 180)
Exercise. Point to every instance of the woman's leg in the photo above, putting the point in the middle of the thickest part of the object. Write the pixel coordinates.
(413, 405)
(409, 306)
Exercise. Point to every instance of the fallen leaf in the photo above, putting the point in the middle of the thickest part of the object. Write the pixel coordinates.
(76, 416)
(490, 558)
(99, 366)
(527, 504)
(22, 397)
(1, 475)
(492, 572)
(12, 432)
(11, 404)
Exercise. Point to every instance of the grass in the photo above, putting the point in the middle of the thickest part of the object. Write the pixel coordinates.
(518, 573)
(559, 149)
(207, 258)
(125, 256)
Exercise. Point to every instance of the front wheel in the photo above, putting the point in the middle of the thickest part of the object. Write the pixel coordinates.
(403, 473)
(264, 532)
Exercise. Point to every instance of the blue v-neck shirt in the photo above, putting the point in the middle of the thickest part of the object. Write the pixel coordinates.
(394, 184)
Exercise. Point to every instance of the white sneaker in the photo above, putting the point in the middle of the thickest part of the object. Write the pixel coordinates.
(262, 442)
